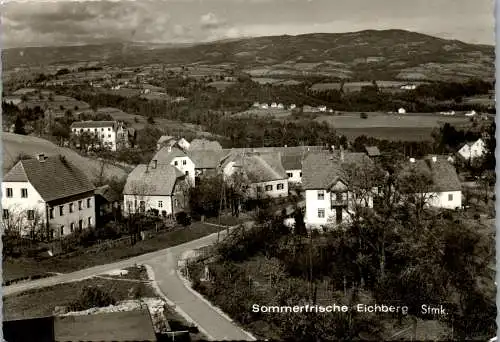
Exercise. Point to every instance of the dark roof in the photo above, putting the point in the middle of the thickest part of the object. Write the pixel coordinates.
(53, 178)
(166, 154)
(443, 173)
(107, 193)
(292, 161)
(115, 326)
(320, 169)
(93, 124)
(283, 150)
(206, 159)
(204, 144)
(146, 180)
(27, 330)
(372, 151)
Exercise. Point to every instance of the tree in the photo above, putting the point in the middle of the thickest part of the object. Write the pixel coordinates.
(19, 126)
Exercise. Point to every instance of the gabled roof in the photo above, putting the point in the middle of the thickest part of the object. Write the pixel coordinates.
(320, 169)
(166, 154)
(443, 173)
(148, 181)
(372, 151)
(165, 138)
(53, 178)
(204, 144)
(206, 159)
(107, 193)
(93, 124)
(261, 167)
(292, 161)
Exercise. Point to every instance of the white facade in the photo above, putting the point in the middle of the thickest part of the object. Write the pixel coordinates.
(25, 210)
(132, 203)
(446, 199)
(183, 143)
(322, 211)
(271, 189)
(294, 176)
(107, 135)
(477, 149)
(402, 111)
(186, 166)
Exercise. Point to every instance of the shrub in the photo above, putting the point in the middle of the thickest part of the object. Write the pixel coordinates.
(183, 218)
(363, 116)
(90, 297)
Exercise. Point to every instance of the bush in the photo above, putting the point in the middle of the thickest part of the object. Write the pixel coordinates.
(90, 297)
(363, 116)
(183, 218)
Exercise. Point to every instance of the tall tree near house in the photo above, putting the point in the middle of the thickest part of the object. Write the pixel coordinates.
(19, 126)
(417, 188)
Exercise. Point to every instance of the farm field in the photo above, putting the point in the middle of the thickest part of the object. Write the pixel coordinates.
(57, 103)
(14, 144)
(356, 86)
(221, 85)
(272, 112)
(407, 127)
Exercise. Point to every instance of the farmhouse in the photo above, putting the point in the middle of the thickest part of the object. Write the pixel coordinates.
(473, 150)
(264, 172)
(372, 151)
(446, 189)
(110, 134)
(204, 144)
(401, 111)
(47, 194)
(155, 187)
(165, 140)
(329, 201)
(178, 158)
(292, 163)
(206, 162)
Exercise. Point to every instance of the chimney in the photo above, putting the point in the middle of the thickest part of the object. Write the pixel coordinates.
(155, 163)
(434, 159)
(412, 160)
(41, 157)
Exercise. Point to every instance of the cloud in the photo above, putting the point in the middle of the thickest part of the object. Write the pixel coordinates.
(210, 21)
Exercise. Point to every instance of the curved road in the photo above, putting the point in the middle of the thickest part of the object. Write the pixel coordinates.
(164, 266)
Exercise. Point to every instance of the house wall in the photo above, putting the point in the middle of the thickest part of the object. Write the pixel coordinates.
(107, 135)
(151, 202)
(18, 206)
(189, 167)
(478, 149)
(441, 199)
(296, 176)
(313, 204)
(274, 193)
(62, 224)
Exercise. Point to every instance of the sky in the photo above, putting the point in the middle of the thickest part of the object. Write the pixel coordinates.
(49, 23)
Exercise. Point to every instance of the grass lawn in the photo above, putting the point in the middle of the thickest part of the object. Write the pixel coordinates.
(41, 302)
(23, 267)
(389, 133)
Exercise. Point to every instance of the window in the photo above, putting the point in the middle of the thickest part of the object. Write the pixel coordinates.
(176, 202)
(51, 213)
(102, 136)
(269, 188)
(31, 215)
(109, 135)
(321, 213)
(176, 163)
(142, 206)
(450, 197)
(5, 214)
(321, 195)
(90, 221)
(89, 202)
(301, 174)
(184, 162)
(9, 192)
(80, 205)
(289, 174)
(24, 193)
(80, 225)
(72, 227)
(71, 207)
(62, 231)
(102, 129)
(187, 173)
(280, 186)
(61, 210)
(109, 129)
(160, 204)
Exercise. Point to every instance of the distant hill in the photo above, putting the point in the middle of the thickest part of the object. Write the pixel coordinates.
(14, 144)
(364, 55)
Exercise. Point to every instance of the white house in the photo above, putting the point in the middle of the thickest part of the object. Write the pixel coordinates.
(107, 132)
(47, 194)
(471, 113)
(183, 143)
(401, 111)
(264, 106)
(409, 87)
(472, 150)
(274, 105)
(293, 106)
(160, 188)
(328, 199)
(179, 159)
(264, 171)
(322, 108)
(256, 104)
(280, 106)
(446, 189)
(292, 163)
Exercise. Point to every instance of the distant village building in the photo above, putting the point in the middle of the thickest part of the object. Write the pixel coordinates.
(177, 157)
(401, 111)
(293, 106)
(322, 108)
(292, 163)
(280, 106)
(473, 150)
(409, 87)
(471, 113)
(274, 105)
(264, 106)
(256, 104)
(13, 100)
(47, 194)
(111, 134)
